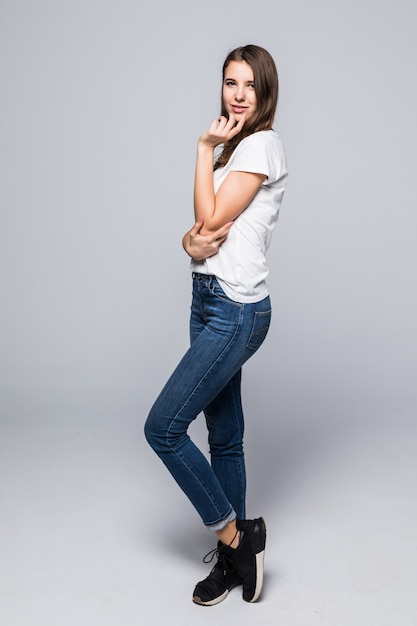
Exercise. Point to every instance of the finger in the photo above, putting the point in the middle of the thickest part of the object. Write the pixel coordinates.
(196, 228)
(236, 129)
(230, 123)
(240, 123)
(220, 240)
(224, 235)
(223, 230)
(223, 125)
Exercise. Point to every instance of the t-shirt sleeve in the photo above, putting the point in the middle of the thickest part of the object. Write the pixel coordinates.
(257, 153)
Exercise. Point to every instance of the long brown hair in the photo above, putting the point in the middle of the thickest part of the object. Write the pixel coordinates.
(266, 88)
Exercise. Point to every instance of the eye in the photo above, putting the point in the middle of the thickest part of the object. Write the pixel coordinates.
(251, 85)
(229, 83)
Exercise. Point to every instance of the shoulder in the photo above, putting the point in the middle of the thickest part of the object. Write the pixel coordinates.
(267, 139)
(265, 143)
(260, 152)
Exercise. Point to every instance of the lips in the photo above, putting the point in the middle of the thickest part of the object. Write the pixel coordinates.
(238, 109)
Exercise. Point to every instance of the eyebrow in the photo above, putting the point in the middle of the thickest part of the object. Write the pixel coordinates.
(231, 78)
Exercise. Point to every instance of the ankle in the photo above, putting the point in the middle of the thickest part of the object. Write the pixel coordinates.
(235, 541)
(229, 535)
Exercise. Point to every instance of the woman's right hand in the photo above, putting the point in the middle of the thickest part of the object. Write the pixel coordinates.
(221, 131)
(200, 247)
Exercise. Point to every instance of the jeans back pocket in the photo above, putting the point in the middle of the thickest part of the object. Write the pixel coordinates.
(260, 329)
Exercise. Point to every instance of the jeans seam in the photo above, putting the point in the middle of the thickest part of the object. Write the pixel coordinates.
(209, 495)
(176, 452)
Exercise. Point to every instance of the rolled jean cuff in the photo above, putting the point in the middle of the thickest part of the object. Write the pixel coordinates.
(223, 523)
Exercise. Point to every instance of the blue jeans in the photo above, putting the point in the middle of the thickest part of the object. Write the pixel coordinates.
(224, 334)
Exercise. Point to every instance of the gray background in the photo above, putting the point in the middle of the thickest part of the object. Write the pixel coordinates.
(102, 103)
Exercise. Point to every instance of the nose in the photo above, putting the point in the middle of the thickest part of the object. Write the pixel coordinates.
(240, 95)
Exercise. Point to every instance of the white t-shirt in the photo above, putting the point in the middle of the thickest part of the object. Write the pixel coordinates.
(240, 264)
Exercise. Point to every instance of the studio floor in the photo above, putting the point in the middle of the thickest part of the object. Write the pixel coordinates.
(94, 532)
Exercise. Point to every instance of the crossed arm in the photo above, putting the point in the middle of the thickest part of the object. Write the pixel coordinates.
(200, 247)
(215, 212)
(235, 192)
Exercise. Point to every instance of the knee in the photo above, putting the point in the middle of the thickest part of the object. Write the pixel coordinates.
(225, 440)
(226, 448)
(157, 432)
(163, 431)
(152, 433)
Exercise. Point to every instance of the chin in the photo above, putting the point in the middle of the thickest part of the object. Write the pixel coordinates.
(237, 116)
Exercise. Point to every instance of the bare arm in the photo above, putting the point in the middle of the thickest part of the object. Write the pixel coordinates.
(236, 191)
(200, 247)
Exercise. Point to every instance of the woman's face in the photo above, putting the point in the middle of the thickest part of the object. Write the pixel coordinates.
(239, 95)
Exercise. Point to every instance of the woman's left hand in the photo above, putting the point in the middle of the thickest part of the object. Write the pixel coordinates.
(200, 247)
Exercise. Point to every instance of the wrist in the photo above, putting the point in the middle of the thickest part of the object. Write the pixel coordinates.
(204, 148)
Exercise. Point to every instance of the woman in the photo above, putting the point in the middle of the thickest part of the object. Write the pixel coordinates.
(236, 204)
